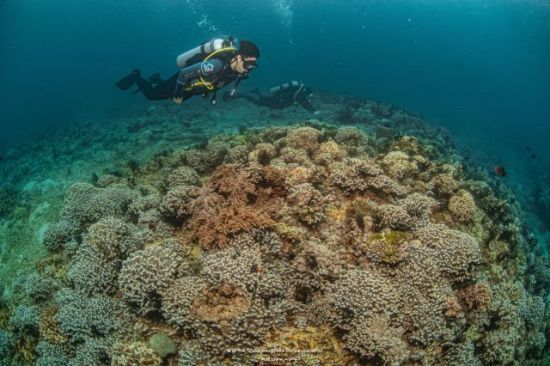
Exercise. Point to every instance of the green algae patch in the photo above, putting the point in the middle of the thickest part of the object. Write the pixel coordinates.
(162, 344)
(387, 247)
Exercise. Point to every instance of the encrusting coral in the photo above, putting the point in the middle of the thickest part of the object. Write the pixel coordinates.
(334, 245)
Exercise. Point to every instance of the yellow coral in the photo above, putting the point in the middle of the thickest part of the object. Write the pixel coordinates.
(262, 153)
(329, 151)
(444, 184)
(309, 346)
(398, 165)
(462, 206)
(386, 246)
(304, 138)
(49, 327)
(289, 233)
(134, 353)
(299, 175)
(408, 144)
(337, 213)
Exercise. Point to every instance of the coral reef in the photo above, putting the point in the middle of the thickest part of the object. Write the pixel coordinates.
(134, 353)
(334, 245)
(462, 206)
(81, 317)
(25, 320)
(147, 272)
(7, 345)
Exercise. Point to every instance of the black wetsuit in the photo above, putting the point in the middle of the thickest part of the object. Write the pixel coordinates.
(283, 98)
(201, 78)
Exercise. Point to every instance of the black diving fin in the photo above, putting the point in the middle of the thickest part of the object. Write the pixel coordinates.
(126, 82)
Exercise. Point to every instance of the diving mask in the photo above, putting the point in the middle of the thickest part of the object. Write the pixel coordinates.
(250, 65)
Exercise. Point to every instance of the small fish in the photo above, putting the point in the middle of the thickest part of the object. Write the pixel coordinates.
(533, 156)
(527, 148)
(499, 170)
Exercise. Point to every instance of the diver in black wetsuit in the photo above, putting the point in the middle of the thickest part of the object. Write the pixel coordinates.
(280, 97)
(205, 69)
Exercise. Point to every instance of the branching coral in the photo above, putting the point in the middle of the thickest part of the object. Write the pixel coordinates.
(462, 206)
(262, 153)
(183, 176)
(233, 202)
(109, 237)
(91, 273)
(444, 184)
(85, 204)
(58, 234)
(454, 251)
(39, 288)
(303, 237)
(51, 354)
(398, 164)
(81, 317)
(377, 338)
(304, 138)
(177, 299)
(394, 217)
(350, 136)
(134, 353)
(353, 174)
(386, 247)
(7, 345)
(25, 320)
(477, 296)
(174, 203)
(328, 152)
(147, 272)
(307, 204)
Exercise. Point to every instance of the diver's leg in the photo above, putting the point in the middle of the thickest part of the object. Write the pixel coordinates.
(164, 90)
(126, 82)
(155, 79)
(250, 97)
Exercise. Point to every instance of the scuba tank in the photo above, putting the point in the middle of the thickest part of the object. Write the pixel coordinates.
(285, 86)
(202, 51)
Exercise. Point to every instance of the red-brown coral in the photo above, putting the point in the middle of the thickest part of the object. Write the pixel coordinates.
(477, 296)
(234, 201)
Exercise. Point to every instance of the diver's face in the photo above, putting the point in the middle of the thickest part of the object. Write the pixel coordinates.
(243, 65)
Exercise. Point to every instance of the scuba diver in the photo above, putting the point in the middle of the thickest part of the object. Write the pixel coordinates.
(281, 96)
(204, 69)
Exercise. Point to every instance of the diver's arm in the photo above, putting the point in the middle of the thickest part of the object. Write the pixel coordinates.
(305, 104)
(231, 95)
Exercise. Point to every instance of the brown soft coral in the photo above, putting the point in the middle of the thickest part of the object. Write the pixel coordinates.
(477, 296)
(234, 201)
(220, 303)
